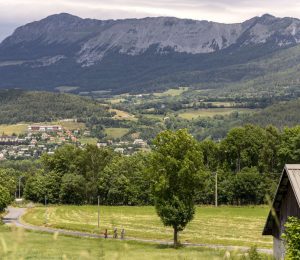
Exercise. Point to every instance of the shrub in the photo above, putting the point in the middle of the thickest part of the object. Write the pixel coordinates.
(4, 198)
(292, 238)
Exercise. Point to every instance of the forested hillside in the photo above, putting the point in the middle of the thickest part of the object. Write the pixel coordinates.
(281, 115)
(20, 106)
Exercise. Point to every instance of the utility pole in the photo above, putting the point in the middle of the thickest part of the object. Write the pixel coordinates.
(46, 215)
(98, 211)
(20, 187)
(216, 189)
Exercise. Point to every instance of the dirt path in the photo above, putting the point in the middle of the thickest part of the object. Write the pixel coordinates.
(14, 215)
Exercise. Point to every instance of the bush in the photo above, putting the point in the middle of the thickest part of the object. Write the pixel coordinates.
(4, 198)
(292, 238)
(253, 254)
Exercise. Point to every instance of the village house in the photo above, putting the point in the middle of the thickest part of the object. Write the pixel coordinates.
(44, 128)
(101, 145)
(140, 142)
(4, 139)
(119, 150)
(45, 136)
(286, 204)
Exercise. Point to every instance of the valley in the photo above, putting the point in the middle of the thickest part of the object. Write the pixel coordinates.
(128, 122)
(163, 128)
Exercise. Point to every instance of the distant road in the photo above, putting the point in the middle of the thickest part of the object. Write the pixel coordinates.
(14, 215)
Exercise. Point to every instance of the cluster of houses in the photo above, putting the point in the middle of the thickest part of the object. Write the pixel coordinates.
(126, 147)
(39, 139)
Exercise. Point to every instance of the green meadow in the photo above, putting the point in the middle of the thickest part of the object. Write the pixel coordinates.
(211, 112)
(239, 226)
(15, 243)
(116, 132)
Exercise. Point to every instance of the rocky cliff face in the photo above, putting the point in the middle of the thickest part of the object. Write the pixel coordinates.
(87, 43)
(95, 39)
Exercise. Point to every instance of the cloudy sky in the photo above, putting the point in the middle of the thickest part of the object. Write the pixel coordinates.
(14, 13)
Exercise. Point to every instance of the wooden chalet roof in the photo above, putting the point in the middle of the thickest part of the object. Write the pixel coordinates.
(290, 174)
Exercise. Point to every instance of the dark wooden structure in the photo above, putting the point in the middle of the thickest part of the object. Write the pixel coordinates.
(286, 203)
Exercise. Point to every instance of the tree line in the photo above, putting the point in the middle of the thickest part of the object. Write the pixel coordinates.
(247, 162)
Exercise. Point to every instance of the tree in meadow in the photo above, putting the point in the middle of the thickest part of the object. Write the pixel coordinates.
(177, 167)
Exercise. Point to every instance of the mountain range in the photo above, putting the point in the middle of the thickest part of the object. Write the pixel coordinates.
(140, 55)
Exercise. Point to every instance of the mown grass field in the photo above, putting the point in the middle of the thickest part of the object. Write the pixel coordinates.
(13, 129)
(210, 112)
(18, 244)
(116, 132)
(240, 226)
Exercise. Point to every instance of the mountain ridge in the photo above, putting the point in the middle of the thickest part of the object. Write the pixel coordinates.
(131, 53)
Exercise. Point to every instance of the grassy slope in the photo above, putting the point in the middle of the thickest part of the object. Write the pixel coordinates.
(280, 75)
(210, 112)
(17, 244)
(116, 132)
(225, 225)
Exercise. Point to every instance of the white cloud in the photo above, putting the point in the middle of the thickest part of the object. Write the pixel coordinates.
(18, 12)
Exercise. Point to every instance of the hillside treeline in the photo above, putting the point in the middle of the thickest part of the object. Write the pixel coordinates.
(248, 163)
(20, 106)
(280, 115)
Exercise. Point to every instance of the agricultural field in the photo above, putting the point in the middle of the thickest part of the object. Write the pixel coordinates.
(19, 244)
(13, 129)
(240, 226)
(211, 112)
(114, 133)
(221, 104)
(22, 128)
(115, 100)
(172, 92)
(70, 125)
(88, 140)
(122, 115)
(153, 116)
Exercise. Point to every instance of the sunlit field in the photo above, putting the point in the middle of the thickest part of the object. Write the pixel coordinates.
(13, 129)
(116, 132)
(240, 226)
(211, 112)
(18, 244)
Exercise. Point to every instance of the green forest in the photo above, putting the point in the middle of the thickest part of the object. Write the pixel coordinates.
(248, 163)
(21, 106)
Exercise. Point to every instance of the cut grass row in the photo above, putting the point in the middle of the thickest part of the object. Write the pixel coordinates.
(240, 226)
(18, 244)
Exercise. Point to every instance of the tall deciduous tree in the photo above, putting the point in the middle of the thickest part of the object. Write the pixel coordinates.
(177, 166)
